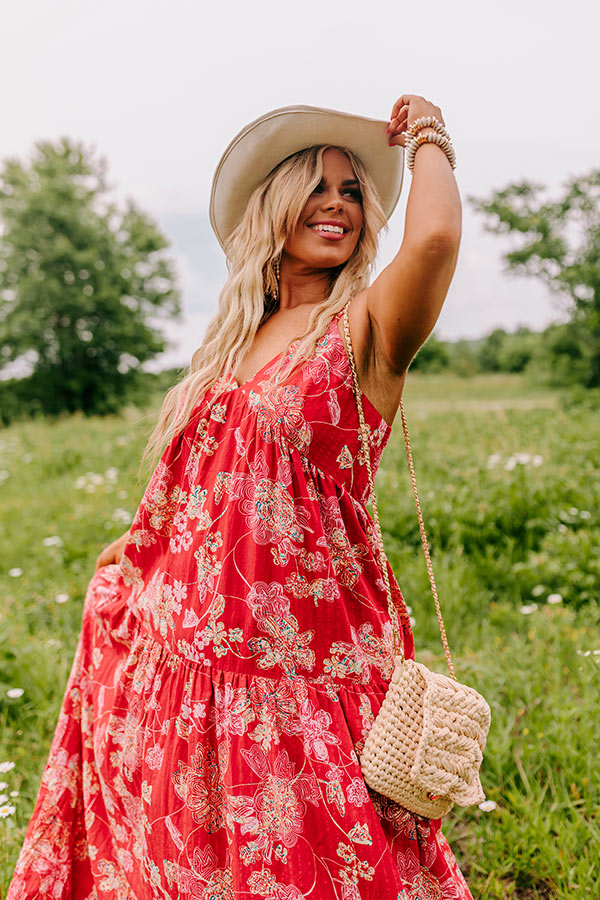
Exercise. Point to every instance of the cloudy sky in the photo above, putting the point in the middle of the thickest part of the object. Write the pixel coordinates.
(159, 89)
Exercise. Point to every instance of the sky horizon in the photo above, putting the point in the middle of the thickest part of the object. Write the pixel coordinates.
(159, 89)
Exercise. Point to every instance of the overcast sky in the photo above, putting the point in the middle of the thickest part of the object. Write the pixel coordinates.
(160, 88)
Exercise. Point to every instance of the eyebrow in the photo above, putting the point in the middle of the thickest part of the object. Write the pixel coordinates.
(346, 183)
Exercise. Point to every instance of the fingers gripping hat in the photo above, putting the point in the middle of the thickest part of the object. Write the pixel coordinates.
(264, 143)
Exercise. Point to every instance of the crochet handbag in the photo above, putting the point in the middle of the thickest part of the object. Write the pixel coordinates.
(425, 747)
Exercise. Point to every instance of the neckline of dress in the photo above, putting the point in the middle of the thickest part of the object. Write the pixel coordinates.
(333, 326)
(237, 386)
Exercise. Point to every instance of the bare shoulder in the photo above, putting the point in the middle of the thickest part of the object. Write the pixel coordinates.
(382, 385)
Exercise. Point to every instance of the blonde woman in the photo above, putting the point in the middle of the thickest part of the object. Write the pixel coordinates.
(236, 642)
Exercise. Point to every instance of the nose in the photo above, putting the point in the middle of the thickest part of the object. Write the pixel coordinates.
(332, 199)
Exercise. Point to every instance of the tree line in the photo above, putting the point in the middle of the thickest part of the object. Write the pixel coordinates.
(550, 356)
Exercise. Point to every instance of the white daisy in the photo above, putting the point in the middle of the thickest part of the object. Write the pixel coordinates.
(528, 609)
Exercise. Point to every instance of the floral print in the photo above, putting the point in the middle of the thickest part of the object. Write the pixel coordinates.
(229, 670)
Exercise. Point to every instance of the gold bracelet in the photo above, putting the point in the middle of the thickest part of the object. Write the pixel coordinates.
(426, 122)
(442, 143)
(435, 137)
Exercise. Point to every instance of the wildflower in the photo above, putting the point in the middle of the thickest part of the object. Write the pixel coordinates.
(121, 515)
(585, 514)
(487, 806)
(15, 573)
(537, 460)
(61, 598)
(6, 811)
(554, 598)
(111, 474)
(14, 793)
(538, 590)
(3, 798)
(584, 653)
(523, 458)
(6, 767)
(15, 693)
(562, 528)
(95, 478)
(3, 475)
(52, 541)
(493, 460)
(528, 609)
(80, 482)
(3, 785)
(413, 622)
(573, 511)
(122, 495)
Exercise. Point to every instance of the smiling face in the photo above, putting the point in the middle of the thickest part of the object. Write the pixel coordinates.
(330, 224)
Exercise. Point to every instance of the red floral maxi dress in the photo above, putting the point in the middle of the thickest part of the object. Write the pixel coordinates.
(229, 669)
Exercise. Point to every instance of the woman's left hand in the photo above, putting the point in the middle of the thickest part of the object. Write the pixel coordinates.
(112, 554)
(405, 111)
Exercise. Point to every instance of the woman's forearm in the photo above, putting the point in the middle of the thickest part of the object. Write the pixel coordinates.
(433, 209)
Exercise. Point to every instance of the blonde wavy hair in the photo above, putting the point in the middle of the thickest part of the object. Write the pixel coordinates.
(247, 297)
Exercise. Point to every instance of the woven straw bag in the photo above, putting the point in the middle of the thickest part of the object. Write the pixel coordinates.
(426, 745)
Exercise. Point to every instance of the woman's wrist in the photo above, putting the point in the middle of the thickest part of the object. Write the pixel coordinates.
(428, 130)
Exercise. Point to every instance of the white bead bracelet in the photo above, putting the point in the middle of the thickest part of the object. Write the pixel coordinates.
(426, 122)
(439, 136)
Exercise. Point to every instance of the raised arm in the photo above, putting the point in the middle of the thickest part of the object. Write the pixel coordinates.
(404, 302)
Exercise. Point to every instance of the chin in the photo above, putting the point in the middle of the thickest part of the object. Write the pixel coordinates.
(329, 260)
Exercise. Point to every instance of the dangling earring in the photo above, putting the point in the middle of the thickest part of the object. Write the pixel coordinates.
(276, 273)
(271, 298)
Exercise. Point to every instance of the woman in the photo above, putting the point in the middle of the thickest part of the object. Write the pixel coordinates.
(236, 644)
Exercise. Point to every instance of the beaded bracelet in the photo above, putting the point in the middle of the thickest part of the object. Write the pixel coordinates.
(440, 136)
(430, 138)
(426, 122)
(414, 143)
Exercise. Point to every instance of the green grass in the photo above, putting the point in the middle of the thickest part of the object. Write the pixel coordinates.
(505, 535)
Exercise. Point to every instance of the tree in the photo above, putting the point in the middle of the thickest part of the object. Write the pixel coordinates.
(560, 244)
(490, 351)
(83, 284)
(433, 356)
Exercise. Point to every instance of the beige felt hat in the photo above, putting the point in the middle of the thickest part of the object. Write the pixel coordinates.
(266, 142)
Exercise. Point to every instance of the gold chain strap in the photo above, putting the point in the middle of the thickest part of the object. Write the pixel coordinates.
(364, 437)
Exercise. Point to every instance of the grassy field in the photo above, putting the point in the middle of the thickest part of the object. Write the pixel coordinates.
(510, 488)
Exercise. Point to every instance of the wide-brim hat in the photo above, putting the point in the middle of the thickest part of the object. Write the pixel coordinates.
(264, 143)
